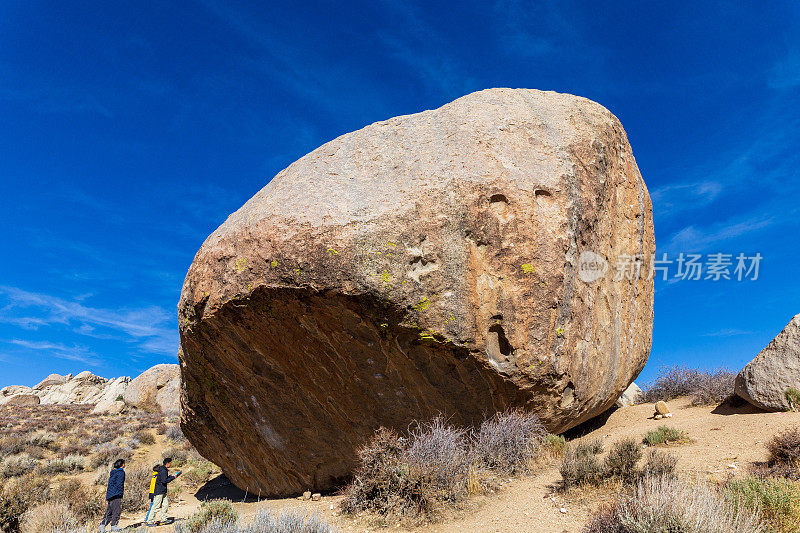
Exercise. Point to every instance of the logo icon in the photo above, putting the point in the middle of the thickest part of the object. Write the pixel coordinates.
(591, 266)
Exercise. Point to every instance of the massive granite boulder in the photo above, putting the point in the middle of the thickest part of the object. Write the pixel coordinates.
(441, 262)
(766, 379)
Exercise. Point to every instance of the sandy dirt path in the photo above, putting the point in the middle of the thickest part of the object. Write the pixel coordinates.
(725, 442)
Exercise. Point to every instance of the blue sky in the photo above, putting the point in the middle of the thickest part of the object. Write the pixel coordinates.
(131, 130)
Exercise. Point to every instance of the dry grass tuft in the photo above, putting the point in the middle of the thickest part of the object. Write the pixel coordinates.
(664, 504)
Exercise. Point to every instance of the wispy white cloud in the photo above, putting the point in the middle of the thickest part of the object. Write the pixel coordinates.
(150, 328)
(425, 51)
(695, 238)
(80, 354)
(728, 333)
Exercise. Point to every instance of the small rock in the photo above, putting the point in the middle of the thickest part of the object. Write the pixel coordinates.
(668, 415)
(307, 495)
(661, 407)
(563, 510)
(658, 417)
(316, 497)
(332, 506)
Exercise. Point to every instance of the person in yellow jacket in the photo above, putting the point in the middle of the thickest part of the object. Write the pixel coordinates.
(160, 501)
(153, 482)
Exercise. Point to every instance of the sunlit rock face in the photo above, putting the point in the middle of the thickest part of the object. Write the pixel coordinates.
(424, 264)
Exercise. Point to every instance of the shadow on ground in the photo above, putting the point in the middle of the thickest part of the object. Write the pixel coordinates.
(221, 488)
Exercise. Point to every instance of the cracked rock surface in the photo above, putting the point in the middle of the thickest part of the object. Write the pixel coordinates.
(424, 264)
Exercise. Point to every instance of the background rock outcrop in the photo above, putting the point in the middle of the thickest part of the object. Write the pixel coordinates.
(423, 264)
(156, 386)
(764, 381)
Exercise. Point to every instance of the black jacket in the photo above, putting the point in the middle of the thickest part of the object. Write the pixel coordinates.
(116, 484)
(162, 479)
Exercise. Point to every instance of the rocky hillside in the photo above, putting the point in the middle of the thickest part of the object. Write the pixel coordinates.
(157, 386)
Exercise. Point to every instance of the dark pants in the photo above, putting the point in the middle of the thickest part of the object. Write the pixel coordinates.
(114, 509)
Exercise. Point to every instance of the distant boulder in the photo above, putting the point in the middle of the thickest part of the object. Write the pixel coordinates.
(15, 389)
(20, 399)
(630, 397)
(158, 385)
(51, 380)
(109, 407)
(765, 381)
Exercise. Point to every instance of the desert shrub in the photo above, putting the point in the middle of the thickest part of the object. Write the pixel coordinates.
(704, 386)
(17, 497)
(17, 465)
(144, 436)
(71, 463)
(103, 436)
(385, 483)
(778, 499)
(85, 504)
(137, 484)
(665, 435)
(175, 434)
(198, 474)
(43, 439)
(299, 521)
(792, 396)
(509, 441)
(659, 464)
(178, 455)
(161, 429)
(784, 448)
(12, 506)
(219, 512)
(49, 518)
(665, 504)
(580, 464)
(107, 454)
(73, 449)
(555, 445)
(11, 445)
(442, 453)
(620, 463)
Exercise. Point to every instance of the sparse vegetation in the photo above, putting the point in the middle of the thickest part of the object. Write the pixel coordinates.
(175, 434)
(178, 455)
(438, 465)
(49, 518)
(581, 465)
(17, 465)
(144, 436)
(658, 463)
(43, 448)
(792, 396)
(509, 441)
(705, 387)
(621, 461)
(778, 499)
(220, 513)
(665, 435)
(299, 521)
(665, 504)
(784, 450)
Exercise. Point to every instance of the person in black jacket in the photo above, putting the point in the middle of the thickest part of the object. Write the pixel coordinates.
(114, 493)
(160, 500)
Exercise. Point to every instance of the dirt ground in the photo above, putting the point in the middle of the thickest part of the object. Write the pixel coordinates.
(725, 442)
